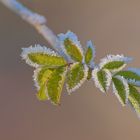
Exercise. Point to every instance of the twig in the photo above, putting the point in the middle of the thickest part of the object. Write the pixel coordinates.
(37, 21)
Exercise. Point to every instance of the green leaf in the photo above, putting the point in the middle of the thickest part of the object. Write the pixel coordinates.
(42, 93)
(42, 75)
(90, 54)
(50, 83)
(44, 59)
(102, 79)
(72, 50)
(121, 89)
(36, 56)
(55, 84)
(76, 76)
(113, 65)
(129, 75)
(134, 98)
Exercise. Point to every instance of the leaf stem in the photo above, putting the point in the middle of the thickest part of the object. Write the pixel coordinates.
(38, 22)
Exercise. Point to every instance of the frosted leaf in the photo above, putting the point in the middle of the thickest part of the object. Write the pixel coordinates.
(102, 79)
(76, 76)
(41, 76)
(38, 56)
(134, 99)
(42, 94)
(114, 62)
(72, 36)
(73, 42)
(90, 54)
(55, 84)
(49, 83)
(121, 89)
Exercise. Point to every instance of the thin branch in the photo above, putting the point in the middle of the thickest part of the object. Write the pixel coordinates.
(38, 22)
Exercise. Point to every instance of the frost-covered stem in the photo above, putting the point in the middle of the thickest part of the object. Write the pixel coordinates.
(37, 21)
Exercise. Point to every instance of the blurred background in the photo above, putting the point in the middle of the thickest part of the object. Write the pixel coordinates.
(114, 26)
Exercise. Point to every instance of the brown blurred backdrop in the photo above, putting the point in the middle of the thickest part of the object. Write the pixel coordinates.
(114, 26)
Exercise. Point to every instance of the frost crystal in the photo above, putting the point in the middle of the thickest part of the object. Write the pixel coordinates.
(34, 18)
(36, 71)
(133, 82)
(95, 78)
(108, 78)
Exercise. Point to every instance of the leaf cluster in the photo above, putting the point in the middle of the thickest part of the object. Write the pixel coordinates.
(53, 71)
